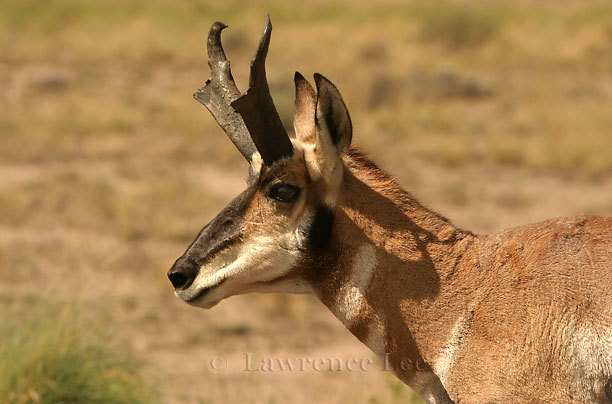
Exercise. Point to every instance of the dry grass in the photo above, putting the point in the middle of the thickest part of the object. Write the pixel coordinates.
(515, 81)
(497, 113)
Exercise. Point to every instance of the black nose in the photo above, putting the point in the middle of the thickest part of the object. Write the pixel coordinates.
(182, 274)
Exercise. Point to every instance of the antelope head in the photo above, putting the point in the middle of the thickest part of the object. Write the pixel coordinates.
(262, 239)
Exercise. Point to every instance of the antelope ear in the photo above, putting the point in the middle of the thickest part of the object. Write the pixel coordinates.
(305, 108)
(332, 117)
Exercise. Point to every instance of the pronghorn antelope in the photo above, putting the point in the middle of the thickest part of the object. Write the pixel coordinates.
(521, 316)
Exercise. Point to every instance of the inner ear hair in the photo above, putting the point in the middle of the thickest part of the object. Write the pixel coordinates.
(332, 114)
(305, 109)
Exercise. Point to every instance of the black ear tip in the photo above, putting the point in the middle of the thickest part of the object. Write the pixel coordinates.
(301, 82)
(324, 83)
(304, 92)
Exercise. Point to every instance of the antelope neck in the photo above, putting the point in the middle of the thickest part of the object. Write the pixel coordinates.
(389, 271)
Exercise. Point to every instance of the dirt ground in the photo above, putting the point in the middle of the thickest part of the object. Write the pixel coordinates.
(177, 343)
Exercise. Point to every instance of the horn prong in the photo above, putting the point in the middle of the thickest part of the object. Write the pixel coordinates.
(220, 91)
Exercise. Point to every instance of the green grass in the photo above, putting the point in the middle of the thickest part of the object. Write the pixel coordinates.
(53, 357)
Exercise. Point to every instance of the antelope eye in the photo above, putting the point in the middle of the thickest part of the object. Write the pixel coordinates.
(284, 192)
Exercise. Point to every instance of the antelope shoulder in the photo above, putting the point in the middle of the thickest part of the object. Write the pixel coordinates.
(544, 307)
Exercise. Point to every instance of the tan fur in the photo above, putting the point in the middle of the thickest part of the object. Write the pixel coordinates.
(521, 316)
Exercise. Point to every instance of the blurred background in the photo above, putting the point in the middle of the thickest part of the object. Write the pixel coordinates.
(492, 113)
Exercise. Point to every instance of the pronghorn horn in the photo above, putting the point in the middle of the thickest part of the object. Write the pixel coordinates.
(257, 108)
(220, 91)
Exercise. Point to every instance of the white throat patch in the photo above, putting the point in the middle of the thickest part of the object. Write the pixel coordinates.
(351, 296)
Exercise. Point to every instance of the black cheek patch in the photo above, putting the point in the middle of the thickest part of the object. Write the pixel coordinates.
(320, 231)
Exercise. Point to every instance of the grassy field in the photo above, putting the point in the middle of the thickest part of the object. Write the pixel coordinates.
(54, 356)
(494, 113)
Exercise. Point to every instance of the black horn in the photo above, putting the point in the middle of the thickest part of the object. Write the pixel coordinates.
(257, 109)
